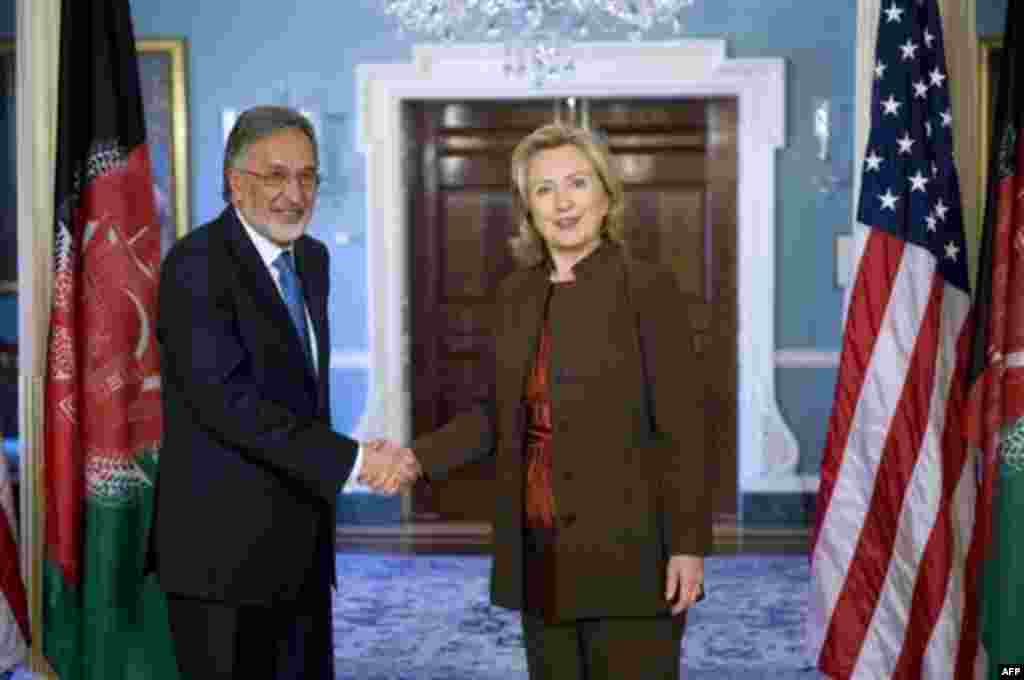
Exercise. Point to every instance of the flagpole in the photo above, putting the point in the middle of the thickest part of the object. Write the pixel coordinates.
(35, 504)
(37, 56)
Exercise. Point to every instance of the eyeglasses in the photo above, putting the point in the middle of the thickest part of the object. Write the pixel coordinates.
(277, 180)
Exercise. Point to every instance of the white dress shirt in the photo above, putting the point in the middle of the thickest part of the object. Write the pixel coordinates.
(269, 251)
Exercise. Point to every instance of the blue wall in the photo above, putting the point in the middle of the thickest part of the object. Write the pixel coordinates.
(991, 17)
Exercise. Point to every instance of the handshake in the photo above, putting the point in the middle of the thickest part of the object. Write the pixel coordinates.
(388, 467)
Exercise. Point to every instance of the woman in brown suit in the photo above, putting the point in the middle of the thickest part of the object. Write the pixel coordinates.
(595, 416)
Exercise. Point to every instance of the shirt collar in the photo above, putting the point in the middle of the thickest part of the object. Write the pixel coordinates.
(268, 250)
(593, 262)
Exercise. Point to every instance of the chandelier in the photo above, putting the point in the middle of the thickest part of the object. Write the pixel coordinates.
(538, 34)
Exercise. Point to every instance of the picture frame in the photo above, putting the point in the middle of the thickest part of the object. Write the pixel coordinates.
(162, 76)
(989, 57)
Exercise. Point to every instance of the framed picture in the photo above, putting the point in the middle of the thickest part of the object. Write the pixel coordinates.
(990, 55)
(8, 152)
(162, 76)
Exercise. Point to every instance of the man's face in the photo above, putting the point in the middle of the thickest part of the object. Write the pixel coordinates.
(274, 187)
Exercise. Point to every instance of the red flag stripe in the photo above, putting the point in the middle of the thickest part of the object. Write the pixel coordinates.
(971, 659)
(875, 278)
(962, 594)
(871, 613)
(936, 607)
(908, 371)
(11, 585)
(838, 529)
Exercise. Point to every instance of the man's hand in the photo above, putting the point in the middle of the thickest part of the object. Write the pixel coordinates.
(387, 467)
(684, 581)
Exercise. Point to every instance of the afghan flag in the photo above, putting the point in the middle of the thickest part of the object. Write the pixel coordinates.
(996, 424)
(101, 618)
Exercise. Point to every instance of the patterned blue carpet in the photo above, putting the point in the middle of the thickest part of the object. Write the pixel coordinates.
(428, 618)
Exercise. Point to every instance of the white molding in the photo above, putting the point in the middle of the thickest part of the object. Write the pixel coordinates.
(349, 360)
(784, 484)
(690, 68)
(805, 357)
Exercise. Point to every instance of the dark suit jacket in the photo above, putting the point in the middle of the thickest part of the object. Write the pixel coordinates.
(629, 469)
(250, 467)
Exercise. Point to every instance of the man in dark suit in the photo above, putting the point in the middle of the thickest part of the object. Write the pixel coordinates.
(243, 532)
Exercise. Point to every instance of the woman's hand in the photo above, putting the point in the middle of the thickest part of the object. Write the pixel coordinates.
(684, 581)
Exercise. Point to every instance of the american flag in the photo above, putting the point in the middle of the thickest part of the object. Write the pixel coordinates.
(893, 584)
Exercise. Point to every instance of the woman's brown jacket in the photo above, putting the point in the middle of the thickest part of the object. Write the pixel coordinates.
(630, 489)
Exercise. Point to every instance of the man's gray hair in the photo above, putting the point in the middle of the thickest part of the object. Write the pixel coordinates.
(256, 123)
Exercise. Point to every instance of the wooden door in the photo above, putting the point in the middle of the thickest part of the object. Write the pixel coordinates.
(678, 160)
(461, 207)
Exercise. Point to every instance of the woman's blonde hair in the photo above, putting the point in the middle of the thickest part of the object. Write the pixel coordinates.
(527, 246)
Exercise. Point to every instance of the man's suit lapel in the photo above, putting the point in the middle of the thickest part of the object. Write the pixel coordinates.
(257, 278)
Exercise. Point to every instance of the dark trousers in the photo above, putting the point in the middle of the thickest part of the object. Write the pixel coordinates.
(219, 641)
(604, 649)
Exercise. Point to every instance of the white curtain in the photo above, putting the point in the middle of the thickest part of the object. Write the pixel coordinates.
(38, 40)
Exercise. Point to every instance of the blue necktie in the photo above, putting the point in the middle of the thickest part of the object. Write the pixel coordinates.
(291, 291)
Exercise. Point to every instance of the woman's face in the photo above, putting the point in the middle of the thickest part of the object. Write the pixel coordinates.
(567, 200)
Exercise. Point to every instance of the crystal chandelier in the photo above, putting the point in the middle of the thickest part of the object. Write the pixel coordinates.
(537, 34)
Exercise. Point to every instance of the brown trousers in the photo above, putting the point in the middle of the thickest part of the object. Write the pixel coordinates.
(647, 648)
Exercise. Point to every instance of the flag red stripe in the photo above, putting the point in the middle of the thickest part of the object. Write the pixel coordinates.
(970, 633)
(10, 579)
(855, 607)
(876, 274)
(932, 582)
